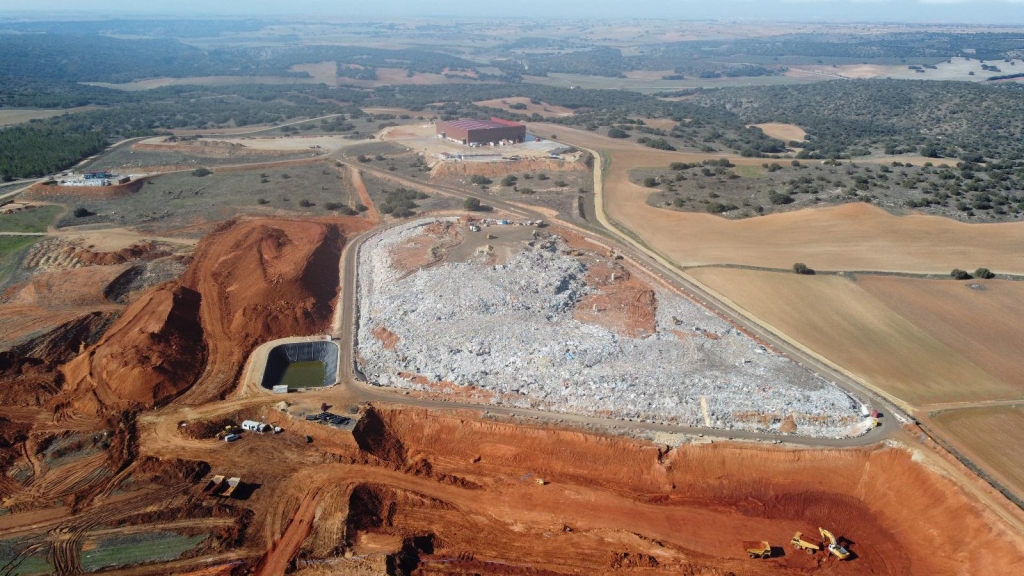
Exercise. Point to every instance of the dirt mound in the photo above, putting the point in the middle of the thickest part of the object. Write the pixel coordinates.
(620, 302)
(373, 436)
(261, 280)
(499, 169)
(44, 191)
(142, 251)
(151, 354)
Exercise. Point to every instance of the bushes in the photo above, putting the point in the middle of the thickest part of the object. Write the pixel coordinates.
(471, 204)
(200, 172)
(479, 180)
(984, 273)
(82, 212)
(509, 181)
(801, 268)
(650, 182)
(617, 133)
(959, 274)
(780, 199)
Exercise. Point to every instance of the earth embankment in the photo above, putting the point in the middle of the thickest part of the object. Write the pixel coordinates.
(151, 354)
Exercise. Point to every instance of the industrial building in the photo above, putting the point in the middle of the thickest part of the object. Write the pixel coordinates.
(482, 132)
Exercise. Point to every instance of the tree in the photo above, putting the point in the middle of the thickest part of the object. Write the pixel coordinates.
(801, 268)
(617, 133)
(984, 273)
(779, 199)
(471, 204)
(82, 212)
(480, 180)
(959, 274)
(509, 181)
(306, 203)
(650, 182)
(200, 172)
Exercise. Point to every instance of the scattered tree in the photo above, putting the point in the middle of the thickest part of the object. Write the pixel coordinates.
(801, 268)
(471, 204)
(200, 172)
(959, 274)
(984, 273)
(82, 212)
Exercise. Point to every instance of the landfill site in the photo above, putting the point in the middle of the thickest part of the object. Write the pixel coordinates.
(512, 313)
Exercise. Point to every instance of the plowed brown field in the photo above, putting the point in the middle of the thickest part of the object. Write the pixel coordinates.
(993, 435)
(848, 237)
(845, 323)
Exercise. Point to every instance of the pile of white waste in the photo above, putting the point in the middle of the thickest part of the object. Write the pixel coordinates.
(509, 329)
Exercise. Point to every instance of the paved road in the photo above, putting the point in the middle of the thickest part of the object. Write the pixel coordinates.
(365, 392)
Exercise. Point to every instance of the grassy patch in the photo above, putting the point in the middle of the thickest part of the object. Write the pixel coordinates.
(31, 220)
(34, 563)
(11, 250)
(749, 171)
(130, 550)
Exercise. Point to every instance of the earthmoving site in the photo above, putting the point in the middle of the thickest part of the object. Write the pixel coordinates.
(312, 336)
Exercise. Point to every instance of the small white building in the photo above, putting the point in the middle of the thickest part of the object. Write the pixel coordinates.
(254, 426)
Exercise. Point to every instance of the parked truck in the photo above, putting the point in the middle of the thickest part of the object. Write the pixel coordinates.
(800, 543)
(233, 484)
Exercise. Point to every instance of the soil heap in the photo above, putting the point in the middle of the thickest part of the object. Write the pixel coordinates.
(151, 354)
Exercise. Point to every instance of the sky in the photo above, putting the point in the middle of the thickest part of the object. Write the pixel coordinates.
(947, 11)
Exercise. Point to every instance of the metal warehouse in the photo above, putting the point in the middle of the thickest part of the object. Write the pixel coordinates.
(481, 132)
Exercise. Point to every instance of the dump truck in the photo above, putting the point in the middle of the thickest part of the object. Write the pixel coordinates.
(800, 543)
(233, 484)
(213, 484)
(834, 547)
(758, 549)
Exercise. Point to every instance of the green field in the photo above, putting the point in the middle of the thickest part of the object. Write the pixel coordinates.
(304, 374)
(129, 550)
(31, 220)
(11, 250)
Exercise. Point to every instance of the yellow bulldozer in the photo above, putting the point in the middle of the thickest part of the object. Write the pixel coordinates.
(834, 547)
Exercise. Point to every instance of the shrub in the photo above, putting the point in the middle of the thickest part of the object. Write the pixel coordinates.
(306, 203)
(509, 181)
(779, 199)
(801, 268)
(650, 182)
(332, 205)
(82, 212)
(480, 180)
(200, 172)
(617, 133)
(560, 183)
(363, 158)
(472, 204)
(542, 176)
(984, 273)
(525, 190)
(361, 208)
(262, 201)
(959, 274)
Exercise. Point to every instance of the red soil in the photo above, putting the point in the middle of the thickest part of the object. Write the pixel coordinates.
(613, 503)
(621, 303)
(260, 280)
(152, 353)
(389, 338)
(38, 191)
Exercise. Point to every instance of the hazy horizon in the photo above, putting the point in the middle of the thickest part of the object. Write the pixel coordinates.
(993, 12)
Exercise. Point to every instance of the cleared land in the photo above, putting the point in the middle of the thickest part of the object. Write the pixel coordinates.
(784, 132)
(961, 69)
(543, 109)
(10, 116)
(31, 219)
(841, 321)
(641, 81)
(979, 319)
(993, 435)
(848, 237)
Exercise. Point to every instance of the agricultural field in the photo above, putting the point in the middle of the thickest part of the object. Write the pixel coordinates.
(522, 105)
(992, 435)
(840, 320)
(19, 115)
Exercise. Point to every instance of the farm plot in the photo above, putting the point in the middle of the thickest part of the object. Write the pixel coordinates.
(32, 219)
(993, 435)
(838, 319)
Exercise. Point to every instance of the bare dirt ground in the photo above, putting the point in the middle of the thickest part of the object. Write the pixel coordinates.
(847, 237)
(784, 132)
(848, 325)
(545, 110)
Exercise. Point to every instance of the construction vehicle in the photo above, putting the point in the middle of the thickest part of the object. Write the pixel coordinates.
(491, 237)
(758, 549)
(213, 484)
(800, 544)
(834, 547)
(233, 484)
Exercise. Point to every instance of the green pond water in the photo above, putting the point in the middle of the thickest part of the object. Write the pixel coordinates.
(304, 374)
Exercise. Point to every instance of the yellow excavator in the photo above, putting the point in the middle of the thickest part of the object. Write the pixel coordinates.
(834, 547)
(806, 545)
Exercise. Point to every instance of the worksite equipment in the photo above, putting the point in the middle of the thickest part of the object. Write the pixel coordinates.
(213, 484)
(233, 484)
(758, 549)
(800, 544)
(833, 546)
